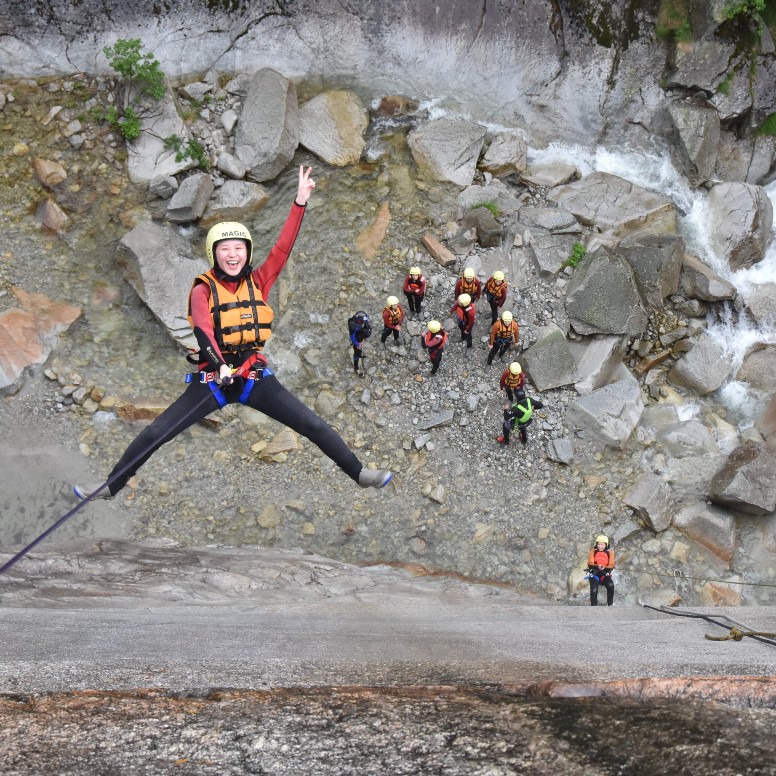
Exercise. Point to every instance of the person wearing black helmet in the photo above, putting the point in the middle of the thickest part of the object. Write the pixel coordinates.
(520, 414)
(232, 321)
(360, 329)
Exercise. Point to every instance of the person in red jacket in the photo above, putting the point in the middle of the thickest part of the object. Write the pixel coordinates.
(465, 312)
(393, 317)
(415, 290)
(469, 284)
(512, 379)
(600, 564)
(434, 341)
(231, 320)
(496, 294)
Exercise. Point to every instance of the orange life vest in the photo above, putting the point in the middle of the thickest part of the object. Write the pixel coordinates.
(513, 381)
(394, 316)
(601, 558)
(239, 318)
(468, 286)
(505, 331)
(493, 289)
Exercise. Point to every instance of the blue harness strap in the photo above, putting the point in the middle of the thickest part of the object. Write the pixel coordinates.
(246, 392)
(210, 379)
(218, 393)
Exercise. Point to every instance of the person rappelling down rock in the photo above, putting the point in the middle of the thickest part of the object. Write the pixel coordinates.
(232, 322)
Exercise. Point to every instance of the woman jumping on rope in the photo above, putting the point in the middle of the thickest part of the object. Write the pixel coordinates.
(231, 320)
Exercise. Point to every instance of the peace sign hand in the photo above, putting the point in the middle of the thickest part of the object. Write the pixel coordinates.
(306, 185)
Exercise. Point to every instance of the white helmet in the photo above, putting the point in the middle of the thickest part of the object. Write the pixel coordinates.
(506, 316)
(391, 301)
(464, 300)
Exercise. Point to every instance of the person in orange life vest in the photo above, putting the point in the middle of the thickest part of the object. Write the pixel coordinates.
(415, 290)
(520, 413)
(393, 316)
(496, 294)
(512, 379)
(600, 564)
(434, 341)
(465, 313)
(469, 284)
(503, 334)
(232, 321)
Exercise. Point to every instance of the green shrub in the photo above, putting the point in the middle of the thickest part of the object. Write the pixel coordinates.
(768, 127)
(127, 60)
(578, 252)
(673, 22)
(191, 149)
(490, 205)
(136, 69)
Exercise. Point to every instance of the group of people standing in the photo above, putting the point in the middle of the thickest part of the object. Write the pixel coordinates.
(504, 335)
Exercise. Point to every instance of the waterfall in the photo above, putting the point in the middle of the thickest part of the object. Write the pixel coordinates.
(653, 169)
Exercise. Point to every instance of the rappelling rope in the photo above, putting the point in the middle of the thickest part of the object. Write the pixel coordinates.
(241, 371)
(678, 574)
(734, 634)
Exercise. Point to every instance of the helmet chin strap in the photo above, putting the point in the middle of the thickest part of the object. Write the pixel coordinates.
(224, 276)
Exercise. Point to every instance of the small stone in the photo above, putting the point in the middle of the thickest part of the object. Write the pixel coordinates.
(308, 529)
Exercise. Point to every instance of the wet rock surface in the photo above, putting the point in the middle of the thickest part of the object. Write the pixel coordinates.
(375, 731)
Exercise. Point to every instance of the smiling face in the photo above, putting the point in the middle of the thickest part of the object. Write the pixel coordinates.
(231, 256)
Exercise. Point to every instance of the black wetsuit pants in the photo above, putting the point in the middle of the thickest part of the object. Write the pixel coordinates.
(268, 396)
(414, 302)
(499, 346)
(594, 584)
(387, 330)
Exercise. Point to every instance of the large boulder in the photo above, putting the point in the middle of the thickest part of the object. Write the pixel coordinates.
(695, 134)
(494, 191)
(608, 414)
(190, 200)
(147, 156)
(613, 204)
(650, 499)
(602, 296)
(704, 65)
(657, 264)
(710, 526)
(267, 134)
(555, 220)
(447, 149)
(332, 125)
(741, 216)
(158, 264)
(549, 362)
(747, 481)
(766, 423)
(548, 251)
(28, 334)
(705, 368)
(761, 303)
(598, 359)
(699, 281)
(759, 367)
(506, 154)
(234, 201)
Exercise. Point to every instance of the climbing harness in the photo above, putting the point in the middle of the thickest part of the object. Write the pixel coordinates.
(243, 371)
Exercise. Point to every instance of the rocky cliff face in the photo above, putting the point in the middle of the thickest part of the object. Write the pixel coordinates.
(570, 70)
